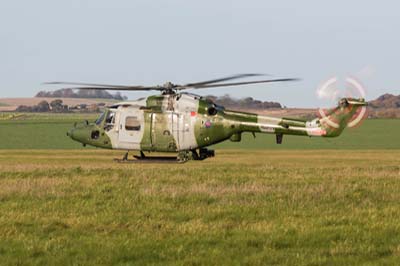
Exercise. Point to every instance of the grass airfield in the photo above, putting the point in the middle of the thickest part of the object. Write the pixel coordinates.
(306, 202)
(243, 207)
(48, 131)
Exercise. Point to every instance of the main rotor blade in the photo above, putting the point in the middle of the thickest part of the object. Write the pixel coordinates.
(240, 83)
(126, 88)
(83, 84)
(170, 86)
(92, 86)
(221, 79)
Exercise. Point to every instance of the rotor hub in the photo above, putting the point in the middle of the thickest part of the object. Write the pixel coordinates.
(169, 85)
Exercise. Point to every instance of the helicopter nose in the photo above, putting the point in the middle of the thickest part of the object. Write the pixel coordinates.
(70, 133)
(79, 134)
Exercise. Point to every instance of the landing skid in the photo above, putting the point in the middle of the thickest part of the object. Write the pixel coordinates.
(155, 159)
(182, 157)
(144, 159)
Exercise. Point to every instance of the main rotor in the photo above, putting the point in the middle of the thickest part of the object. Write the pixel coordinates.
(171, 88)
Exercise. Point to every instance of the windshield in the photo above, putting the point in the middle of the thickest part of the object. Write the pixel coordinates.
(101, 118)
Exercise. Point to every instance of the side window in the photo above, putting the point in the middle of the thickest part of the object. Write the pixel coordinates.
(132, 123)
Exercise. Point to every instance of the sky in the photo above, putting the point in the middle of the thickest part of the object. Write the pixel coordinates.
(144, 42)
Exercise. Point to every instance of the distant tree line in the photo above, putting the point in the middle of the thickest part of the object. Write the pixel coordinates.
(245, 103)
(70, 93)
(41, 107)
(57, 106)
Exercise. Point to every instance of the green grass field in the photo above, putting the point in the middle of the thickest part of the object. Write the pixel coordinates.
(316, 207)
(48, 131)
(305, 202)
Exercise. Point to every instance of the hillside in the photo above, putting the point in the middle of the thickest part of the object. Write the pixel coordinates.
(386, 105)
(386, 101)
(248, 102)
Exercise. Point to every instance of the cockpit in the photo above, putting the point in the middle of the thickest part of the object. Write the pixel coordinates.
(108, 117)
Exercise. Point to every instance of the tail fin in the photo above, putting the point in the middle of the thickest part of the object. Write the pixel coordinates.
(334, 121)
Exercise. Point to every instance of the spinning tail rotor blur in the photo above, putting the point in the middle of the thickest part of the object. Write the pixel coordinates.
(347, 92)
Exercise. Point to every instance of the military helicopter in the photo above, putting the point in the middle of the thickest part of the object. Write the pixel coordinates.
(186, 124)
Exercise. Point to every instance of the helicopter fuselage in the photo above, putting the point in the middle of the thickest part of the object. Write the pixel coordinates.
(186, 122)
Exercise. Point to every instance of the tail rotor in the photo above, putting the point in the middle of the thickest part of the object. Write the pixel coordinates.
(351, 102)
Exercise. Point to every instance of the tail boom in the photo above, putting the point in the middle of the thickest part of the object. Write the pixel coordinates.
(331, 123)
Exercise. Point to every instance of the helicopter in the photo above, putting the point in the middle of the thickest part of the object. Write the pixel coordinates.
(186, 124)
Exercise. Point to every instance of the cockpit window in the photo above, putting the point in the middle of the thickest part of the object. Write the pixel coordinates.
(101, 118)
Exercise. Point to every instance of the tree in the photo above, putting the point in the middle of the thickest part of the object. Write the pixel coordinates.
(57, 105)
(69, 93)
(43, 106)
(23, 108)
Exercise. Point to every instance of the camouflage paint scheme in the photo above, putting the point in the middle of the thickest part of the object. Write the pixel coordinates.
(184, 122)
